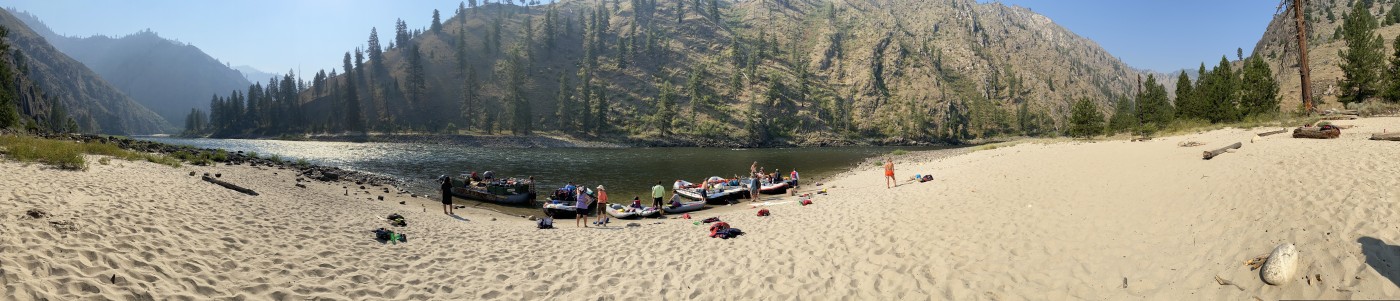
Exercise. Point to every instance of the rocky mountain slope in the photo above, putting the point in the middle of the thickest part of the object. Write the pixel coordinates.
(51, 79)
(166, 76)
(1324, 20)
(741, 73)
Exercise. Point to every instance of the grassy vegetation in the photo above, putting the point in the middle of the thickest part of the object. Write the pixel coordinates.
(69, 154)
(899, 152)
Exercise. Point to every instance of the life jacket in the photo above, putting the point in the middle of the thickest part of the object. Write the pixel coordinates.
(763, 212)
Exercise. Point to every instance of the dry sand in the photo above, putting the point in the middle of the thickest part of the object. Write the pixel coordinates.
(1074, 220)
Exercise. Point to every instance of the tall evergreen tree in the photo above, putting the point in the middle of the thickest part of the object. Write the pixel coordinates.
(1392, 90)
(417, 80)
(600, 113)
(1187, 104)
(1362, 61)
(400, 33)
(436, 26)
(563, 102)
(665, 110)
(471, 96)
(1218, 93)
(1154, 111)
(1258, 89)
(351, 120)
(522, 119)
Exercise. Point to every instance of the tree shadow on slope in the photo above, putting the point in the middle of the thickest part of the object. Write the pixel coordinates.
(1382, 257)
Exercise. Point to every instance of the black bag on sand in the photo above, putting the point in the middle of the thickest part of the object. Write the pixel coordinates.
(546, 223)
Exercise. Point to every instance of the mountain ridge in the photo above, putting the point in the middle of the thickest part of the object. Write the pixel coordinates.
(169, 77)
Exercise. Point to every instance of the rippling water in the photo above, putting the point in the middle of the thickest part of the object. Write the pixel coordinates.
(626, 172)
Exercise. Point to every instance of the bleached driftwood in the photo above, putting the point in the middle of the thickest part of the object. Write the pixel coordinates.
(1212, 153)
(1386, 136)
(230, 186)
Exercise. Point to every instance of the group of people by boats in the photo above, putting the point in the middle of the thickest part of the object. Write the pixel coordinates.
(579, 201)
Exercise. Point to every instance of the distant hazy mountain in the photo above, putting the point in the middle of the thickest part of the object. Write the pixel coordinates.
(166, 76)
(255, 75)
(50, 79)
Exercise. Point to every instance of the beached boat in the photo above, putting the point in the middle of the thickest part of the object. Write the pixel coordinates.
(493, 193)
(720, 191)
(770, 188)
(685, 207)
(620, 211)
(560, 206)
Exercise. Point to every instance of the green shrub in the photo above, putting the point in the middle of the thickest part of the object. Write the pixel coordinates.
(303, 163)
(899, 152)
(61, 154)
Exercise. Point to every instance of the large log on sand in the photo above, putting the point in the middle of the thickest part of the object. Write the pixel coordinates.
(230, 186)
(1281, 131)
(1341, 117)
(1317, 132)
(1212, 153)
(1387, 137)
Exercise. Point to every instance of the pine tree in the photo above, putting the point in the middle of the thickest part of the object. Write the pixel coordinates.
(665, 111)
(680, 11)
(1392, 90)
(436, 26)
(1218, 93)
(1362, 60)
(1258, 89)
(564, 104)
(351, 119)
(1124, 116)
(600, 114)
(1085, 119)
(471, 95)
(1187, 104)
(551, 27)
(1154, 111)
(521, 116)
(400, 33)
(417, 80)
(714, 10)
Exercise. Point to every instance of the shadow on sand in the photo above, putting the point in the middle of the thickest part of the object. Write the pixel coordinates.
(1382, 257)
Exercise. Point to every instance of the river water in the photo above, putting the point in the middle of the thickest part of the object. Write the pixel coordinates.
(626, 172)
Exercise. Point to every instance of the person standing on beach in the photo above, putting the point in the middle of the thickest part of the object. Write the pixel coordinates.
(656, 193)
(602, 202)
(793, 176)
(889, 174)
(446, 194)
(581, 207)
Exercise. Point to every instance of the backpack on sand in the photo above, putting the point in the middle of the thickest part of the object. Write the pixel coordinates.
(546, 223)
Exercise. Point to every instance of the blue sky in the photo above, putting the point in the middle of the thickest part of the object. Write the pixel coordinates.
(277, 35)
(1162, 35)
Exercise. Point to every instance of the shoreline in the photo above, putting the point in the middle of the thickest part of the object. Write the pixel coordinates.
(1111, 219)
(558, 140)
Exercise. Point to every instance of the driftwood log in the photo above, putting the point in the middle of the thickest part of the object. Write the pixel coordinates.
(1386, 137)
(1317, 132)
(1212, 153)
(1280, 131)
(1341, 117)
(230, 186)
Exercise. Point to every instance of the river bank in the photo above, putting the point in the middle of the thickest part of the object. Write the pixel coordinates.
(1034, 220)
(561, 140)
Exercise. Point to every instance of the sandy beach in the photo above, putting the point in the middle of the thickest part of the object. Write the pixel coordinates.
(1105, 220)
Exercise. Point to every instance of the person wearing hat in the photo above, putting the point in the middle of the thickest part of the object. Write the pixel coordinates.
(446, 194)
(602, 201)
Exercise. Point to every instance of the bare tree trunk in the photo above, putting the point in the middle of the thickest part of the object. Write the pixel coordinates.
(1303, 69)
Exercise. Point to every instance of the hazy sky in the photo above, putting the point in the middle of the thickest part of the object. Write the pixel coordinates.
(277, 35)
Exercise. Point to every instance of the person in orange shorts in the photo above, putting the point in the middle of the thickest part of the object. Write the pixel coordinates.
(889, 173)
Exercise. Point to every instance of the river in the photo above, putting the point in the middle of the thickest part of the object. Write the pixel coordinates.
(626, 172)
